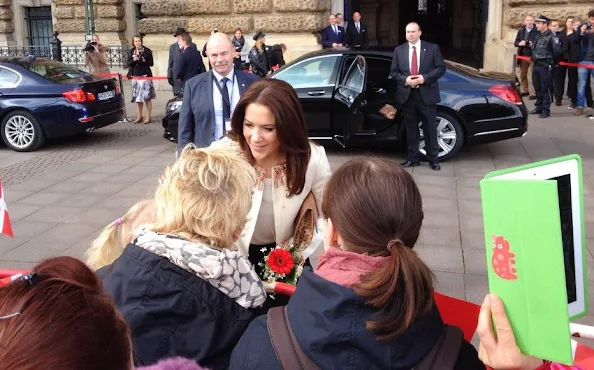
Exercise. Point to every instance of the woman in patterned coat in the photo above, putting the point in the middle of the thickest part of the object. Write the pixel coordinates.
(181, 285)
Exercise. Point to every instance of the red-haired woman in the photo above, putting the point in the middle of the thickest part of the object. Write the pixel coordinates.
(369, 303)
(58, 318)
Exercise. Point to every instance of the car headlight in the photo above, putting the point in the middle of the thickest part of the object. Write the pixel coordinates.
(173, 106)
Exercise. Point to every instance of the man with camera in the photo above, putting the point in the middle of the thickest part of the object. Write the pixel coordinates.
(96, 56)
(545, 50)
(587, 42)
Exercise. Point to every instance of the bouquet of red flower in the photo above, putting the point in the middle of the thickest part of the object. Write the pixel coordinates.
(283, 264)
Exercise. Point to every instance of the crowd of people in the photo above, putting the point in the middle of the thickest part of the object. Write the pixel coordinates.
(175, 283)
(542, 78)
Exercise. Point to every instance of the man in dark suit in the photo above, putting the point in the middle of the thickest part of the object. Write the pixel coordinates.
(175, 51)
(189, 63)
(356, 35)
(210, 98)
(333, 36)
(416, 67)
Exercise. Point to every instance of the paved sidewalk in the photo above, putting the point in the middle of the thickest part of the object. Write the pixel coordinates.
(60, 197)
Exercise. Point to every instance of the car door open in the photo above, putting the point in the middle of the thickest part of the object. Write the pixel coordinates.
(349, 97)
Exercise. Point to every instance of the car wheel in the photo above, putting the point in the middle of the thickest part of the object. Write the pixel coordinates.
(450, 136)
(21, 132)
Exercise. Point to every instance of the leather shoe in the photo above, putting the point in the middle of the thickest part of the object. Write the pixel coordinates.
(435, 166)
(544, 115)
(535, 111)
(532, 97)
(407, 164)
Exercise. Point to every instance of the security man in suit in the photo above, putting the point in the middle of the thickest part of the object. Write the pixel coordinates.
(356, 35)
(175, 51)
(545, 49)
(416, 67)
(210, 98)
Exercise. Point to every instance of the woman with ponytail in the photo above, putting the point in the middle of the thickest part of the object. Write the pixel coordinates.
(369, 302)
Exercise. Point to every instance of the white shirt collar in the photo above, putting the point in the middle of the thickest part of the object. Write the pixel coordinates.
(220, 77)
(418, 45)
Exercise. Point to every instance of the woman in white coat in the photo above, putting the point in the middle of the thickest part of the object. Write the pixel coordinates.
(269, 127)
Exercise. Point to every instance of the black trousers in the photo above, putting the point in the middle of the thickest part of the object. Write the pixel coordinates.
(572, 82)
(415, 110)
(559, 82)
(541, 78)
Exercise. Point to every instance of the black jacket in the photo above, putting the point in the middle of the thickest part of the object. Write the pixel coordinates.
(432, 67)
(143, 66)
(329, 323)
(188, 65)
(259, 61)
(573, 47)
(524, 35)
(354, 38)
(171, 311)
(275, 56)
(545, 49)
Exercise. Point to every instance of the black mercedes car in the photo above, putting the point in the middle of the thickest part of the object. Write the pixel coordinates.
(345, 92)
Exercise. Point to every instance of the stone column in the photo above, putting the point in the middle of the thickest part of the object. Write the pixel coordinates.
(6, 25)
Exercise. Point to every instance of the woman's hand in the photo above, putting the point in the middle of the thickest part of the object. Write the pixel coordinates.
(501, 353)
(135, 57)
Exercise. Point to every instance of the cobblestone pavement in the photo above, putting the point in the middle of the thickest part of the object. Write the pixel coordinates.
(59, 198)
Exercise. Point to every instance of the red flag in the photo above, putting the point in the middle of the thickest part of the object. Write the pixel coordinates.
(5, 227)
(584, 356)
(458, 312)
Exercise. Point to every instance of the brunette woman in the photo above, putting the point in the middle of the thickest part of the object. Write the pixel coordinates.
(369, 304)
(140, 61)
(269, 128)
(241, 49)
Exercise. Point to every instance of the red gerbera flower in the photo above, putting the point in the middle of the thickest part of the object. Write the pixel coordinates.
(280, 261)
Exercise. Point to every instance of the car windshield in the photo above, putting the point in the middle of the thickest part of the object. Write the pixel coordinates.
(56, 71)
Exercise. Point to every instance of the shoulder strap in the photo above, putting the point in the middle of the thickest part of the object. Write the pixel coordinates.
(287, 349)
(444, 354)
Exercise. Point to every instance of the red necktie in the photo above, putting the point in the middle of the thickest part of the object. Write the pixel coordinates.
(414, 68)
(181, 49)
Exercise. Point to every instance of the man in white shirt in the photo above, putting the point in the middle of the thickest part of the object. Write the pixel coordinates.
(416, 67)
(210, 98)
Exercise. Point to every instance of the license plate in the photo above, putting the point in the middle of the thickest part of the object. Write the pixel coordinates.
(106, 95)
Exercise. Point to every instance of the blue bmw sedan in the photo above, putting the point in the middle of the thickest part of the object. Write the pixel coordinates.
(42, 98)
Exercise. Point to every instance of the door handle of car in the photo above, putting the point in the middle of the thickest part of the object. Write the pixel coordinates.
(316, 93)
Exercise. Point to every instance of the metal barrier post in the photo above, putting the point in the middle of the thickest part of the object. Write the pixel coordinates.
(515, 64)
(125, 120)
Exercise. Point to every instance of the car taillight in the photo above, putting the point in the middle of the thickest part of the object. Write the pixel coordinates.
(507, 93)
(79, 96)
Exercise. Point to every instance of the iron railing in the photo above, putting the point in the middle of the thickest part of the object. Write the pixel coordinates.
(70, 54)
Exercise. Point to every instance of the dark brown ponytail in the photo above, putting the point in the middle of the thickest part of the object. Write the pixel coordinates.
(402, 291)
(376, 208)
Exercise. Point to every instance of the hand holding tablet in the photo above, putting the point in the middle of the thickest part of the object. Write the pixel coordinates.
(535, 244)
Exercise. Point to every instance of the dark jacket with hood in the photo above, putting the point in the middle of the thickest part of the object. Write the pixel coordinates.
(329, 323)
(176, 297)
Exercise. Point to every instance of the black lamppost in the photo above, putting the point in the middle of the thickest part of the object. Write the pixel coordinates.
(89, 19)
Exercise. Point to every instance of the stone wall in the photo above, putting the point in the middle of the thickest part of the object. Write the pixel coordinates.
(515, 11)
(6, 25)
(70, 16)
(201, 16)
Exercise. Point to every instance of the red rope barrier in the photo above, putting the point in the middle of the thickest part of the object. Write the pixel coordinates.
(566, 64)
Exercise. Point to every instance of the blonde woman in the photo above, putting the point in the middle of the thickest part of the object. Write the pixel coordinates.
(111, 242)
(259, 56)
(180, 285)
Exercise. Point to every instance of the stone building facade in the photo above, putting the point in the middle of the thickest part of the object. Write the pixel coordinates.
(507, 16)
(293, 22)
